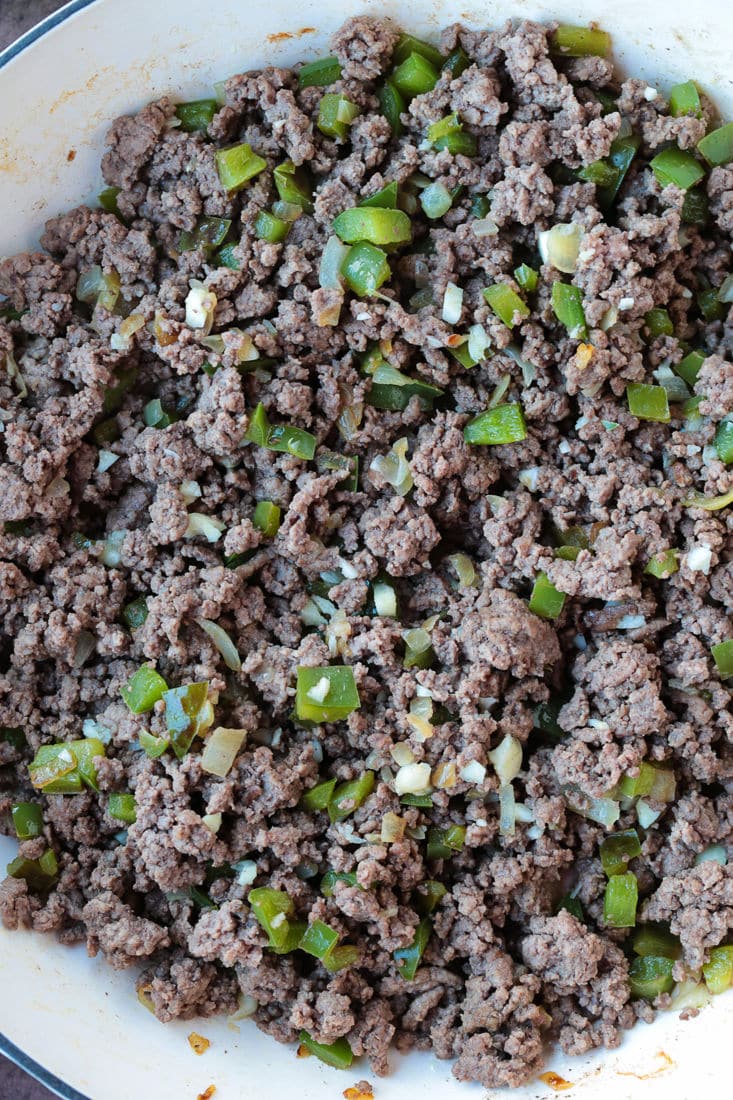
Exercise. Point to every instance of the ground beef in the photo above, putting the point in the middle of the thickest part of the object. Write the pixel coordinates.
(155, 485)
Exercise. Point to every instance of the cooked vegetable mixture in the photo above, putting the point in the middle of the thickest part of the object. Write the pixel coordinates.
(366, 552)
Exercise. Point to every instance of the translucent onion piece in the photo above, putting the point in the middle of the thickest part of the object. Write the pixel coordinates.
(106, 461)
(500, 390)
(529, 478)
(473, 772)
(223, 643)
(630, 622)
(385, 600)
(676, 387)
(689, 994)
(714, 853)
(444, 776)
(83, 647)
(413, 779)
(190, 491)
(699, 558)
(452, 304)
(507, 759)
(122, 339)
(200, 524)
(200, 307)
(484, 227)
(725, 294)
(645, 815)
(507, 817)
(560, 245)
(402, 754)
(14, 374)
(247, 1005)
(393, 828)
(528, 369)
(212, 822)
(394, 468)
(420, 726)
(332, 258)
(478, 342)
(110, 554)
(465, 569)
(220, 750)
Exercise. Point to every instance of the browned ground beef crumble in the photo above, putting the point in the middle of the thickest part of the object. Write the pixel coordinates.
(504, 971)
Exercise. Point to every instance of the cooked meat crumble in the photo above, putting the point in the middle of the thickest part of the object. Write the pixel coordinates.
(365, 566)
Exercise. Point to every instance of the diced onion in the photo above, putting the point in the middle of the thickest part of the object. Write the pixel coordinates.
(422, 728)
(394, 468)
(310, 615)
(245, 871)
(402, 754)
(529, 477)
(83, 647)
(393, 828)
(507, 759)
(106, 460)
(200, 524)
(560, 245)
(473, 772)
(413, 779)
(630, 622)
(676, 388)
(111, 547)
(417, 639)
(122, 339)
(320, 690)
(609, 319)
(484, 227)
(507, 818)
(286, 211)
(220, 750)
(500, 390)
(689, 994)
(436, 200)
(445, 776)
(523, 813)
(247, 1007)
(465, 569)
(14, 374)
(190, 491)
(725, 294)
(214, 343)
(385, 600)
(337, 633)
(452, 304)
(332, 259)
(200, 307)
(645, 815)
(223, 643)
(699, 558)
(212, 822)
(664, 786)
(528, 369)
(714, 853)
(91, 728)
(603, 810)
(478, 342)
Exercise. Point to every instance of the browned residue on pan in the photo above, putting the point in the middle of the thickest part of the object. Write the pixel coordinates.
(282, 36)
(555, 1081)
(667, 1063)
